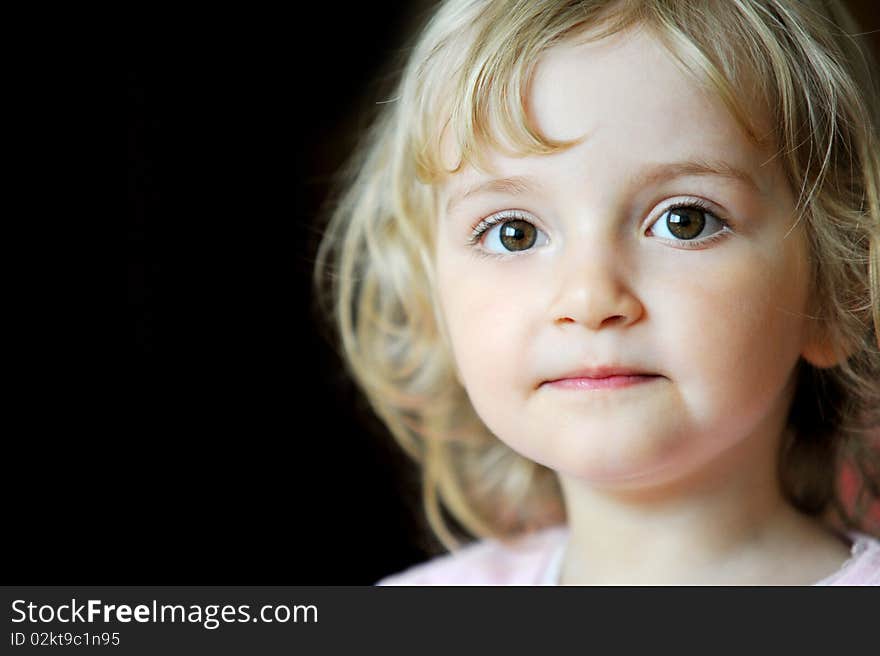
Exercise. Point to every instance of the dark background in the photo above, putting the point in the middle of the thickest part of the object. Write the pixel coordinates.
(269, 468)
(223, 444)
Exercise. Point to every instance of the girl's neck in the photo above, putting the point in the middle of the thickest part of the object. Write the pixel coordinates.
(786, 548)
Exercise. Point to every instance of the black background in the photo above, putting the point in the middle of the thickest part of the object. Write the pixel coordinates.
(220, 442)
(270, 468)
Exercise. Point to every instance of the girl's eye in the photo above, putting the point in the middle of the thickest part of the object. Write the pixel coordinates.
(507, 234)
(687, 223)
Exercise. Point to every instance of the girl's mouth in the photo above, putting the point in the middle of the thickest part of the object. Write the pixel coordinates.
(607, 382)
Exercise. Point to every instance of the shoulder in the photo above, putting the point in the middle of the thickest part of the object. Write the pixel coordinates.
(863, 566)
(522, 561)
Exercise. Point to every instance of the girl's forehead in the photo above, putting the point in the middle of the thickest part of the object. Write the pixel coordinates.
(632, 82)
(626, 100)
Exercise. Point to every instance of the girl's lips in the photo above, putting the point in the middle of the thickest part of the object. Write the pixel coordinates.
(608, 382)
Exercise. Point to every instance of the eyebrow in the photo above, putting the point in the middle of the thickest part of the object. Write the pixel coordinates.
(519, 185)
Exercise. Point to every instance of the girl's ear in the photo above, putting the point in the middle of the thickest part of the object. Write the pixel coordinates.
(822, 350)
(820, 356)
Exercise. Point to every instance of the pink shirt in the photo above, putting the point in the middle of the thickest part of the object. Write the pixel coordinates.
(536, 559)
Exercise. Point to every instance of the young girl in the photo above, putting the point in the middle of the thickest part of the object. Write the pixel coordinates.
(610, 272)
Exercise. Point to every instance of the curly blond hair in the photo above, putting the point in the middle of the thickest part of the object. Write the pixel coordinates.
(468, 72)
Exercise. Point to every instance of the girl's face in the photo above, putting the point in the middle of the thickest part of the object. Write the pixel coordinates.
(594, 263)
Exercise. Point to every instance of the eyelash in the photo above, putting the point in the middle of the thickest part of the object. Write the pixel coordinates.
(511, 215)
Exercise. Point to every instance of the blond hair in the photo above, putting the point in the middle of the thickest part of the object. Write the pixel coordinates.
(468, 72)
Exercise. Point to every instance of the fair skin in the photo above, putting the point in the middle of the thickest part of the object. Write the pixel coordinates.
(671, 480)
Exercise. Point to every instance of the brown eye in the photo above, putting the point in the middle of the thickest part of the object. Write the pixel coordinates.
(685, 222)
(518, 235)
(505, 234)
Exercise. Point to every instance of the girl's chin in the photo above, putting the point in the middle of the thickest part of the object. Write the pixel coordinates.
(625, 473)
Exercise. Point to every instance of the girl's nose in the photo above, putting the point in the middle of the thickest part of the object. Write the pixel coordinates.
(594, 291)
